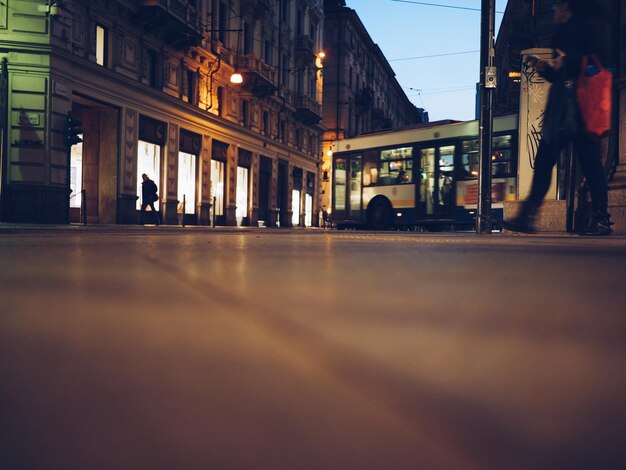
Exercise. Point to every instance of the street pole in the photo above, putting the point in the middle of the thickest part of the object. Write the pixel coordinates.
(487, 87)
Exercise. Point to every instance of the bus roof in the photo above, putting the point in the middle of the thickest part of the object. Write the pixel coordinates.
(425, 132)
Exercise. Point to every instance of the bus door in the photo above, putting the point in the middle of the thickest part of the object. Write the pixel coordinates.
(347, 188)
(437, 188)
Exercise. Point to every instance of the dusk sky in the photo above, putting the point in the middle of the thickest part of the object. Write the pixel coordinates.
(444, 85)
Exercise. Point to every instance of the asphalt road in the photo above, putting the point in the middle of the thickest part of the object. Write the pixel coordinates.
(150, 348)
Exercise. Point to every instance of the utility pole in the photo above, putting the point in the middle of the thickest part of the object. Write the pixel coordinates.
(485, 123)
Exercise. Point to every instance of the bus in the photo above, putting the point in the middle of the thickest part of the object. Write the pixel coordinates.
(425, 176)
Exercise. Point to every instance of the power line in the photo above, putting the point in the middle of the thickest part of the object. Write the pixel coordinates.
(441, 6)
(434, 55)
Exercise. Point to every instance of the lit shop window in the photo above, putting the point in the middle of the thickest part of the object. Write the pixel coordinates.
(295, 206)
(308, 210)
(148, 162)
(242, 194)
(217, 186)
(187, 182)
(76, 174)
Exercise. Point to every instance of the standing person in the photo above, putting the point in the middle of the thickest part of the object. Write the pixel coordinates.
(148, 197)
(574, 38)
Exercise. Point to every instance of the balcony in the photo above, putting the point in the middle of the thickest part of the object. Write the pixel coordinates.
(305, 50)
(258, 77)
(308, 111)
(176, 22)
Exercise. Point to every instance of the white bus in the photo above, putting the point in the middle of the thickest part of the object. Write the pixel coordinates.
(425, 175)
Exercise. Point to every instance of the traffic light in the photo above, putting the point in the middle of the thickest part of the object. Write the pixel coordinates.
(72, 131)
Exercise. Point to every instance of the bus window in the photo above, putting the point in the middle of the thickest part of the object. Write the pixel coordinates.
(501, 159)
(355, 184)
(446, 175)
(340, 184)
(396, 166)
(427, 186)
(370, 168)
(470, 159)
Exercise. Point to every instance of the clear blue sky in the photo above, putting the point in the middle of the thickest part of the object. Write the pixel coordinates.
(444, 85)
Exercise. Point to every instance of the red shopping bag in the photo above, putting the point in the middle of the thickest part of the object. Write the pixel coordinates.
(594, 97)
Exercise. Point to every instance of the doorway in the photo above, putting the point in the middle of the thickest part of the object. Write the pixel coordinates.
(93, 164)
(347, 188)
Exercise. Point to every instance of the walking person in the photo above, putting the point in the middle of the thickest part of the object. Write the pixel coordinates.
(148, 197)
(573, 39)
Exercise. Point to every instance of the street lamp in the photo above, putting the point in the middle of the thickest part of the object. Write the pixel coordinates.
(236, 78)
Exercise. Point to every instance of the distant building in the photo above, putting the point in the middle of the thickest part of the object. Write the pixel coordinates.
(361, 93)
(149, 82)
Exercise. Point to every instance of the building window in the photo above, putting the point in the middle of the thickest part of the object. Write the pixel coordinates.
(284, 70)
(244, 113)
(152, 68)
(101, 45)
(284, 10)
(267, 52)
(266, 123)
(298, 138)
(191, 87)
(248, 38)
(313, 31)
(223, 22)
(220, 101)
(300, 23)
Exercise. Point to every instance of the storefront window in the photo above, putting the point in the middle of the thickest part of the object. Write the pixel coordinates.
(217, 186)
(186, 183)
(308, 210)
(295, 207)
(148, 162)
(242, 194)
(76, 174)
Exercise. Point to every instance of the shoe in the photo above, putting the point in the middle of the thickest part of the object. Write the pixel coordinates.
(524, 221)
(518, 224)
(600, 225)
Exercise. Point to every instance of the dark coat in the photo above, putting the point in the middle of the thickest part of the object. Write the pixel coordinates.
(562, 119)
(149, 191)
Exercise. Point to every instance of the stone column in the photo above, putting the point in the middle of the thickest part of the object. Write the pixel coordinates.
(231, 186)
(205, 201)
(253, 210)
(290, 208)
(127, 199)
(169, 194)
(273, 204)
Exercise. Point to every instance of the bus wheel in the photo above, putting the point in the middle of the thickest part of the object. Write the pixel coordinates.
(379, 215)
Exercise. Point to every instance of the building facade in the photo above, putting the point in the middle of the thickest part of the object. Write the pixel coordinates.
(528, 24)
(361, 93)
(146, 86)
